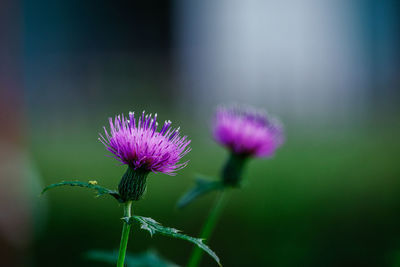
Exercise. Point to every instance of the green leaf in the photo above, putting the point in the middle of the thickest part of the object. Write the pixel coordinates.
(91, 184)
(154, 227)
(202, 187)
(148, 258)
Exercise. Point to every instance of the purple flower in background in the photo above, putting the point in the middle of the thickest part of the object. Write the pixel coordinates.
(139, 145)
(247, 132)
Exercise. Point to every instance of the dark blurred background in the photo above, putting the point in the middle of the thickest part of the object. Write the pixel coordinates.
(329, 69)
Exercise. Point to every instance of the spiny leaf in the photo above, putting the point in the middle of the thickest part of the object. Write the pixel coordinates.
(148, 258)
(201, 188)
(154, 227)
(91, 184)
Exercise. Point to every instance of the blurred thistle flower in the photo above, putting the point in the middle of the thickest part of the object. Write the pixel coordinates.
(246, 132)
(140, 146)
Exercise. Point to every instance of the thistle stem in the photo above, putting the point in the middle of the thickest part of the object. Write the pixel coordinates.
(208, 227)
(125, 235)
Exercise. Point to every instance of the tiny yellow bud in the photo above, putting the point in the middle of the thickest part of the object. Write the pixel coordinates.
(93, 182)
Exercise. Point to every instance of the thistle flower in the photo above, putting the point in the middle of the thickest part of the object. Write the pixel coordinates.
(139, 145)
(246, 133)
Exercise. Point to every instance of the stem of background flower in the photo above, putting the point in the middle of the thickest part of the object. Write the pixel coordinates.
(125, 235)
(208, 227)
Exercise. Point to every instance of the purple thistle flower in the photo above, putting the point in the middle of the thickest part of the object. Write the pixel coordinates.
(139, 145)
(247, 132)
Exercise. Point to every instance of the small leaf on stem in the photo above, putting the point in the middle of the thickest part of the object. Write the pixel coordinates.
(154, 227)
(100, 190)
(201, 188)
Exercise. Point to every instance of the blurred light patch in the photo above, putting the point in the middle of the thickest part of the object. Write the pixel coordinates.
(327, 59)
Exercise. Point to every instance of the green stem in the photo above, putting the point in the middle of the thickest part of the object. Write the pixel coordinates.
(125, 235)
(208, 227)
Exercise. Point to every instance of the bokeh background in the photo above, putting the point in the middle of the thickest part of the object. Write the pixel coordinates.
(329, 69)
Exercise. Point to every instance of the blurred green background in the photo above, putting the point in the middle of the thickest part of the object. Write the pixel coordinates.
(328, 198)
(329, 70)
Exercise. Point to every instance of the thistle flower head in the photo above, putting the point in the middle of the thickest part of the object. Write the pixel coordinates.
(247, 132)
(138, 144)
